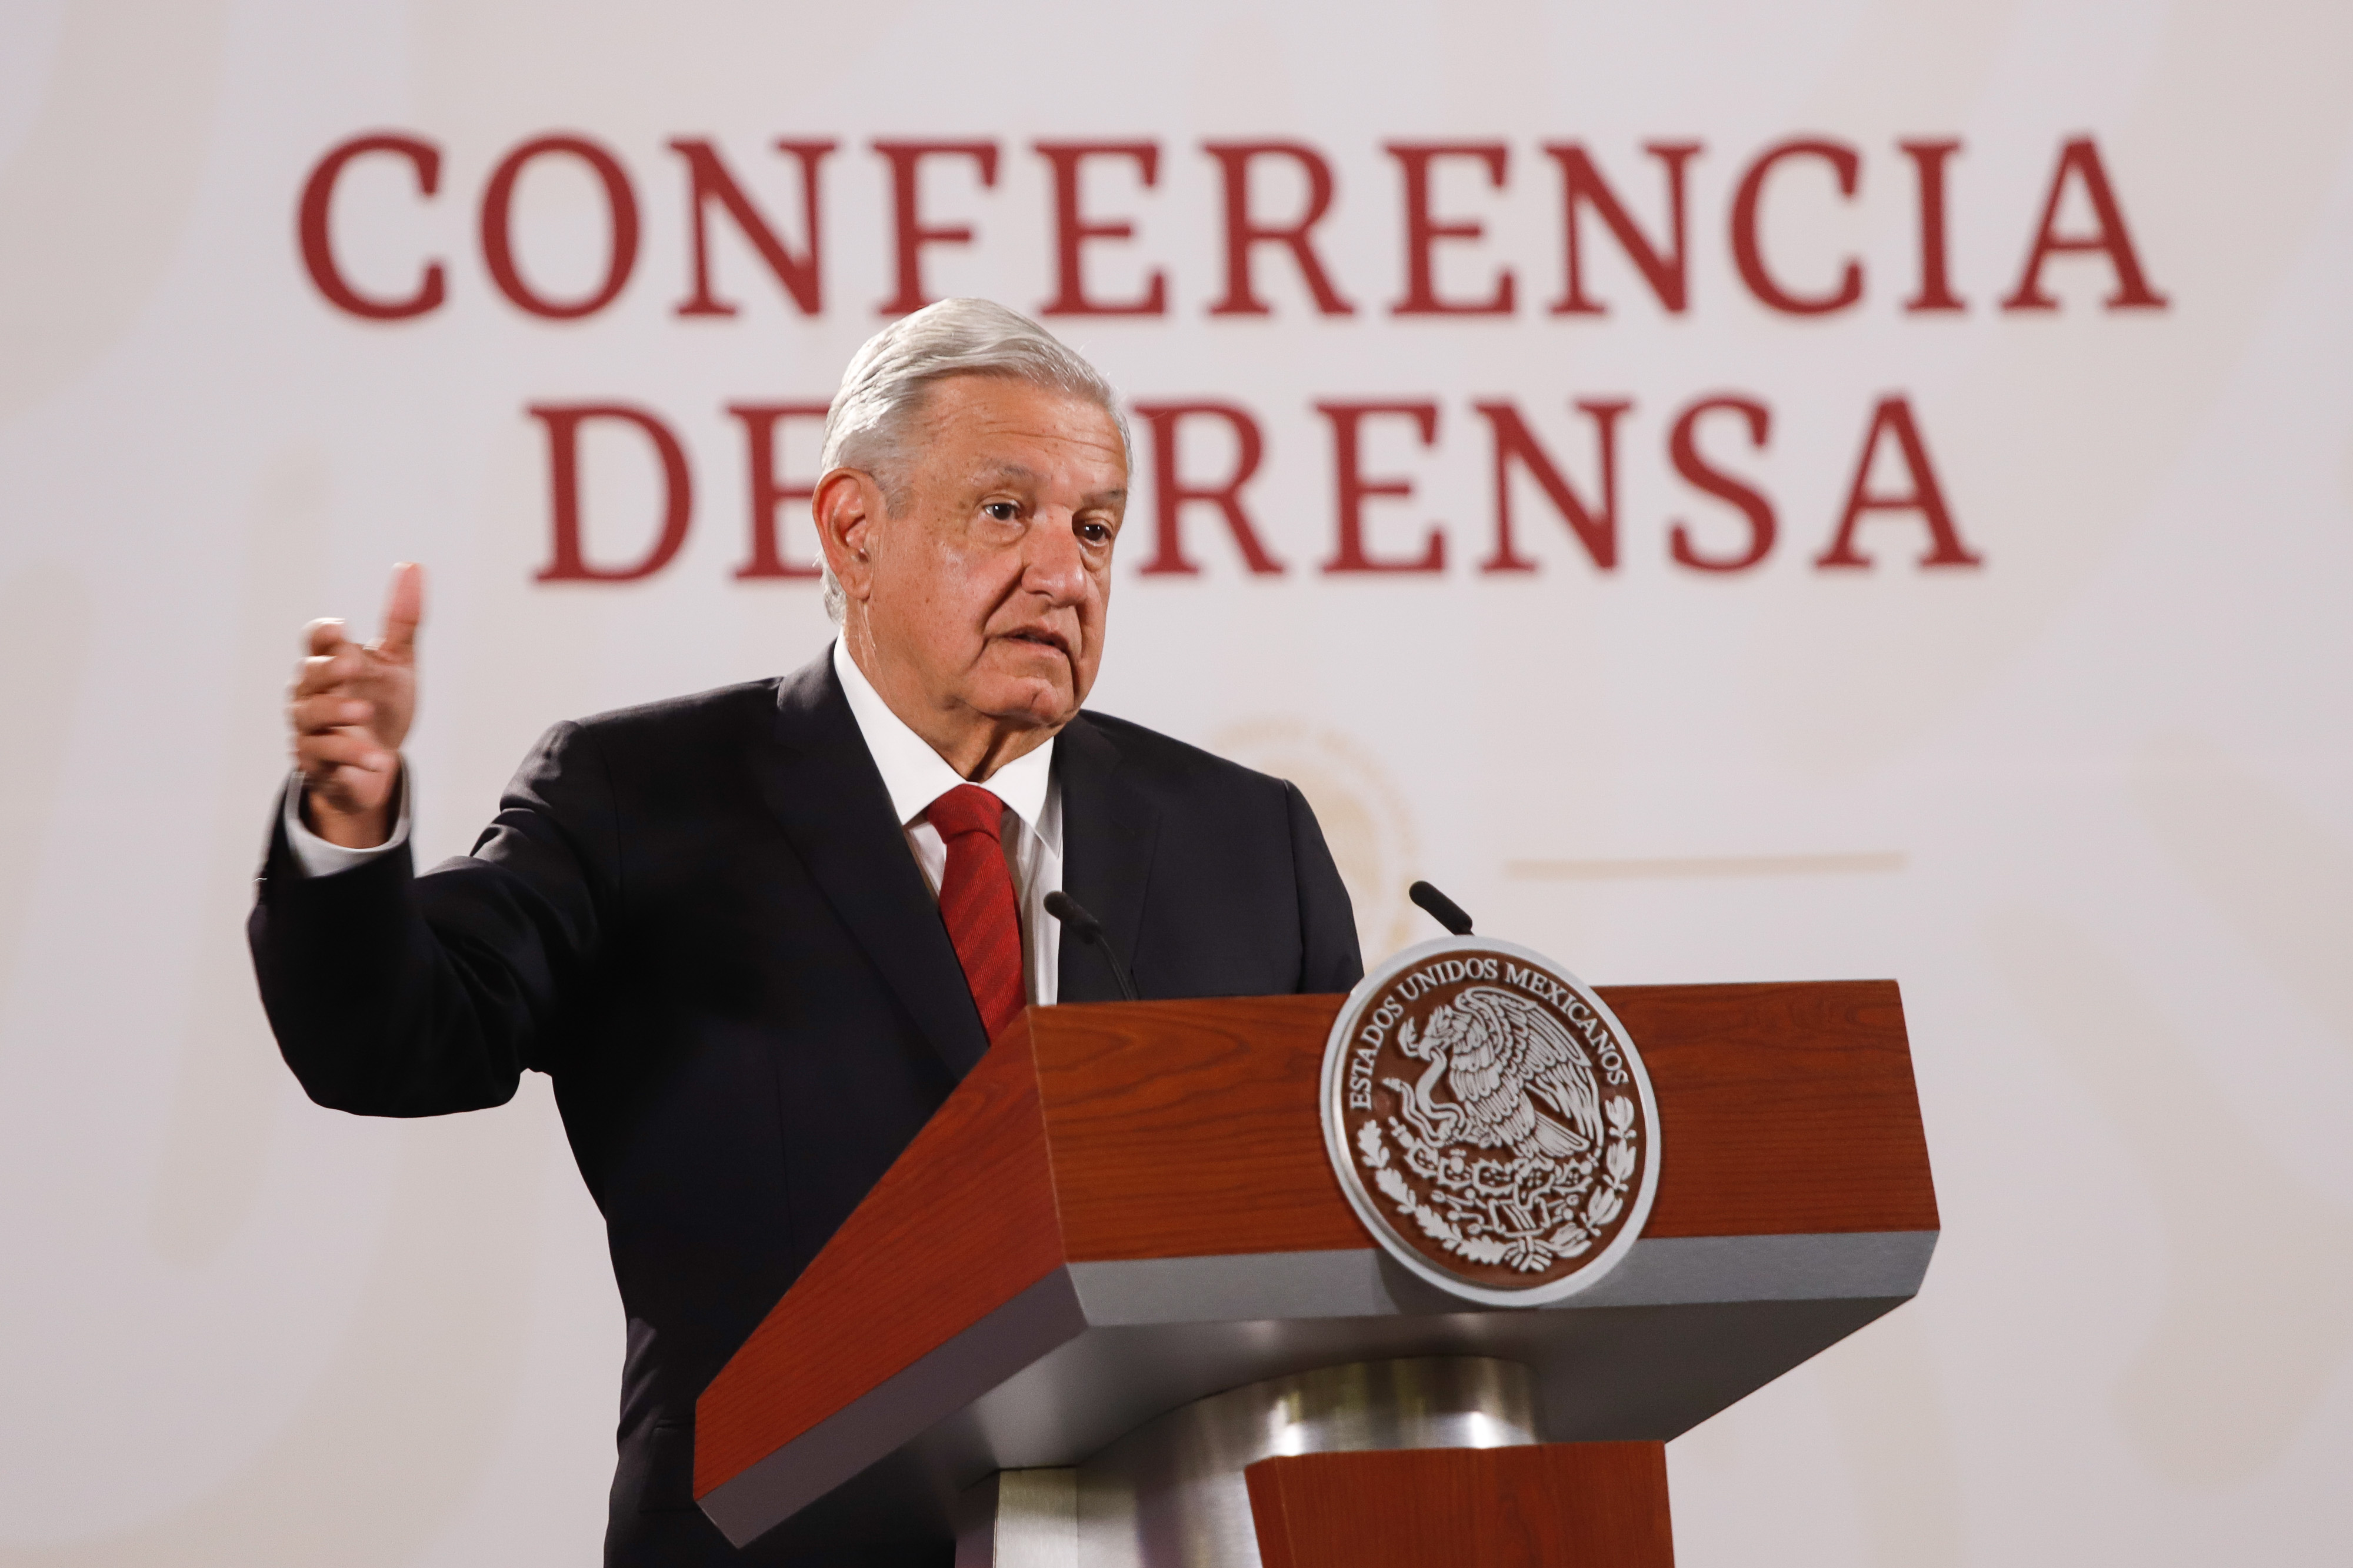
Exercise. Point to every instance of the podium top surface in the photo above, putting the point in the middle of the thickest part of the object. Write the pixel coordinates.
(1142, 1190)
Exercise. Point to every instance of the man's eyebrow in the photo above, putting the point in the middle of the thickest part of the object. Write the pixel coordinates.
(1022, 474)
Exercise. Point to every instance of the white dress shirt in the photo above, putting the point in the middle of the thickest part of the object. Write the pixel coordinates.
(915, 775)
(912, 773)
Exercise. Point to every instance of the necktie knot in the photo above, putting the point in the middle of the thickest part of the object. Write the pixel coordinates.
(967, 808)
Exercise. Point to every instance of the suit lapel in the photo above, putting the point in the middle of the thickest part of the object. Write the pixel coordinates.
(1108, 829)
(820, 782)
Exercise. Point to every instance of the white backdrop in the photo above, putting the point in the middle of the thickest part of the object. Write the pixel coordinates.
(2085, 800)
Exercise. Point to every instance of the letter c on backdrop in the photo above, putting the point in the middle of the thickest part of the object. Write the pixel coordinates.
(318, 247)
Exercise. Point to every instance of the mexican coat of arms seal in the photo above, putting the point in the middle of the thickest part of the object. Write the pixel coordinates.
(1491, 1122)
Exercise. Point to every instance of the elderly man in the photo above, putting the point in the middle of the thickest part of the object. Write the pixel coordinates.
(757, 935)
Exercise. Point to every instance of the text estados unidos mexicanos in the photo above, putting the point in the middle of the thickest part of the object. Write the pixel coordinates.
(1373, 1034)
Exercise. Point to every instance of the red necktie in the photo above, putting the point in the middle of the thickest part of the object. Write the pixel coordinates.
(976, 901)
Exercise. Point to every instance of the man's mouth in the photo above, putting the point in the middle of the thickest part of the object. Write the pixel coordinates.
(1041, 636)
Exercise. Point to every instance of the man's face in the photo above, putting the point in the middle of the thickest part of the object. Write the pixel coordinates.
(986, 593)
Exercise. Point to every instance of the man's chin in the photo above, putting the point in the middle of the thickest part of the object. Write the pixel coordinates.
(1019, 671)
(1031, 703)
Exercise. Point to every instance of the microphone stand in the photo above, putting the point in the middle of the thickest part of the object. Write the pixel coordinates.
(1089, 929)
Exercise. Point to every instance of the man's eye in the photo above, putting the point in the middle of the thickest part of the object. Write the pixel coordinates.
(1002, 510)
(1095, 533)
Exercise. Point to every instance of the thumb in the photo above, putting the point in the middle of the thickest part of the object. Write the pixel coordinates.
(404, 608)
(321, 638)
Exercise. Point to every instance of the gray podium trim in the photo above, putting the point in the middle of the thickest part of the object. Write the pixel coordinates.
(1363, 1282)
(870, 1427)
(1666, 1271)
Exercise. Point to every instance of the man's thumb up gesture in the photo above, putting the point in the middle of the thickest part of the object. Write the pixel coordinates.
(350, 709)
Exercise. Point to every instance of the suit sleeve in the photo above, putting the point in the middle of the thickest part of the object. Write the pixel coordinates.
(396, 994)
(1329, 958)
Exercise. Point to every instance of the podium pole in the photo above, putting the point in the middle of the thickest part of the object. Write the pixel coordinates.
(1175, 1489)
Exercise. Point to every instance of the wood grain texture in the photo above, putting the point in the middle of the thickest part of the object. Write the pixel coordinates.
(959, 1225)
(1784, 1109)
(1565, 1505)
(1183, 1129)
(1613, 1499)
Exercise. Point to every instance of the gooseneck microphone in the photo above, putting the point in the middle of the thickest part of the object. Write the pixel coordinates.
(1441, 907)
(1089, 929)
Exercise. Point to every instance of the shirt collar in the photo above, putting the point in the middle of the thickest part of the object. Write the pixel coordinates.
(915, 774)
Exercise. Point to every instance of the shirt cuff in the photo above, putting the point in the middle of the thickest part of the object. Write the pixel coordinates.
(314, 856)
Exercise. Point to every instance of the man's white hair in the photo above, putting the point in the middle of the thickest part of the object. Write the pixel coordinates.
(887, 385)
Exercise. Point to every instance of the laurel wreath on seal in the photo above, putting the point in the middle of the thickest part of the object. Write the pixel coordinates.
(1526, 1213)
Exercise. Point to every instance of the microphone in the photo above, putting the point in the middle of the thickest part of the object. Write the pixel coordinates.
(1089, 929)
(1440, 908)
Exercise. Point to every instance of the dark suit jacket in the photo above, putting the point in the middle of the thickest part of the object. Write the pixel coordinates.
(701, 919)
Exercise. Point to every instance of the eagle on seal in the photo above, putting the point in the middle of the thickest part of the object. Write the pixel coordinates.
(1515, 1077)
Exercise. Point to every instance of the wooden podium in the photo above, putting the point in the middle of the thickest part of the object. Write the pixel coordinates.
(1112, 1306)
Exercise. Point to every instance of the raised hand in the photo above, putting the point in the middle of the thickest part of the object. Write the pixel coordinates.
(350, 707)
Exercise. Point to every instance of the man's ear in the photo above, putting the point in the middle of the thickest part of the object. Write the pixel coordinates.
(847, 506)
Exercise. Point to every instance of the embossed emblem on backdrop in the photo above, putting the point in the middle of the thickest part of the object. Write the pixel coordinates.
(1490, 1121)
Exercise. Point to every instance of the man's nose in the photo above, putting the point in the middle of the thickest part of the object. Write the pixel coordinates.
(1053, 566)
